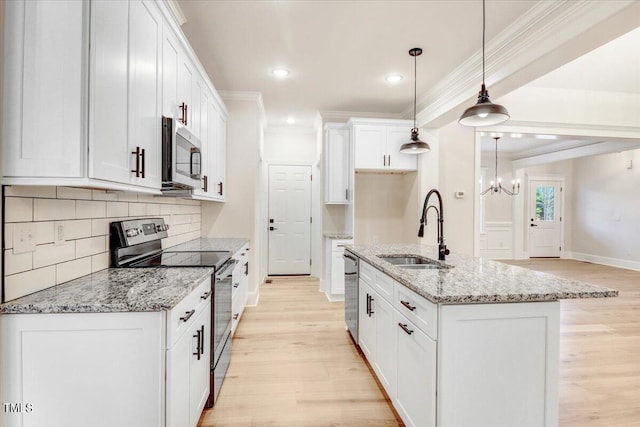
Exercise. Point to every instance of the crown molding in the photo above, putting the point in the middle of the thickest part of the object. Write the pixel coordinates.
(176, 11)
(290, 130)
(246, 96)
(346, 115)
(545, 27)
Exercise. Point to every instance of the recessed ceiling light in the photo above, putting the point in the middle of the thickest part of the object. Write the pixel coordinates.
(280, 73)
(516, 135)
(394, 79)
(291, 120)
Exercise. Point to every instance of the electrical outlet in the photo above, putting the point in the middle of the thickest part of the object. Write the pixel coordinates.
(58, 234)
(24, 238)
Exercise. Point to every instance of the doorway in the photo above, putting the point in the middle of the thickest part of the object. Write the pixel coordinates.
(289, 221)
(545, 218)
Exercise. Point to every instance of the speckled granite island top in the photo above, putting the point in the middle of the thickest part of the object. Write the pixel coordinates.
(475, 280)
(231, 244)
(114, 290)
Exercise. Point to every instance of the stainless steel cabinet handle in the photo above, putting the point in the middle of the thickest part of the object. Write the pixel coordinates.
(202, 340)
(384, 159)
(404, 328)
(408, 305)
(143, 161)
(187, 315)
(205, 295)
(389, 160)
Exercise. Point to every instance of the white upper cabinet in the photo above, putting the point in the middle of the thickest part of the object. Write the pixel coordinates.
(337, 164)
(125, 88)
(171, 51)
(185, 90)
(377, 145)
(44, 102)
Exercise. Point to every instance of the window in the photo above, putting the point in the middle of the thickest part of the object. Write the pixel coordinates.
(545, 203)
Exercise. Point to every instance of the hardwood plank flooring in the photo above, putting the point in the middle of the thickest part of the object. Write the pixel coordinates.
(293, 364)
(599, 346)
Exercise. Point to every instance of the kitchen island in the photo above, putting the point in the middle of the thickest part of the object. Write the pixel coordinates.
(465, 341)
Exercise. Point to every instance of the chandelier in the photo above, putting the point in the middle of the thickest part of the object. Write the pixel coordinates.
(496, 185)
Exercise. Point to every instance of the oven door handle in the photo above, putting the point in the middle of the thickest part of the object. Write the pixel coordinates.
(224, 275)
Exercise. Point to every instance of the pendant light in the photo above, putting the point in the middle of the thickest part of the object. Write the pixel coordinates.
(496, 185)
(484, 113)
(415, 146)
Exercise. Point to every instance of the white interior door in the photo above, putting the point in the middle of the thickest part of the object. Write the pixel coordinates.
(289, 220)
(545, 218)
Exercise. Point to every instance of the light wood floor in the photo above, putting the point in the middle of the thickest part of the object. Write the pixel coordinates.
(599, 347)
(294, 365)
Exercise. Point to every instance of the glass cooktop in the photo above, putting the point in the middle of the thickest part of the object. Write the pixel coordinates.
(185, 259)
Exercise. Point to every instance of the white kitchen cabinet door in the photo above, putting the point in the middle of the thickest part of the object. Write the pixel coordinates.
(110, 158)
(171, 51)
(186, 78)
(204, 190)
(396, 136)
(145, 85)
(44, 102)
(337, 170)
(195, 106)
(87, 362)
(337, 272)
(221, 159)
(178, 378)
(385, 358)
(366, 323)
(416, 374)
(200, 364)
(369, 147)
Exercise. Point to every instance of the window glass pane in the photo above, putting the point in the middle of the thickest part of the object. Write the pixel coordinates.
(545, 203)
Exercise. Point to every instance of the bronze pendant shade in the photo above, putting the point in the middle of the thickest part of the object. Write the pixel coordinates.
(415, 146)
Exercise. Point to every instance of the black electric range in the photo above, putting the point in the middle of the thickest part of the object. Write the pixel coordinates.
(137, 243)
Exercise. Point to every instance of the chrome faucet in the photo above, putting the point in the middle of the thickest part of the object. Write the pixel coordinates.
(442, 248)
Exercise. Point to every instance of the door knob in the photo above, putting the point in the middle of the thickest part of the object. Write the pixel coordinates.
(272, 228)
(270, 220)
(534, 225)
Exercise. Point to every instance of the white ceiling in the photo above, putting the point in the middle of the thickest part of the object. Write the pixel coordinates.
(338, 51)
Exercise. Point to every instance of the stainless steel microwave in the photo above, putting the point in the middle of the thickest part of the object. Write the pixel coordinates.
(181, 157)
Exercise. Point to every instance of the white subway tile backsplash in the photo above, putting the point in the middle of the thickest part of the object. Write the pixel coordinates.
(91, 246)
(53, 209)
(17, 285)
(105, 195)
(18, 209)
(17, 263)
(116, 209)
(74, 193)
(85, 216)
(73, 269)
(93, 209)
(30, 191)
(49, 254)
(99, 262)
(76, 229)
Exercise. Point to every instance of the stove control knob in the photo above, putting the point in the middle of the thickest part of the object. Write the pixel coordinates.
(132, 232)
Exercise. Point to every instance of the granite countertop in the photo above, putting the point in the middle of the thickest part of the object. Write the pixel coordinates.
(475, 280)
(125, 289)
(337, 235)
(114, 290)
(231, 244)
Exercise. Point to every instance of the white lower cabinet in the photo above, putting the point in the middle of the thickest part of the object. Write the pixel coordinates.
(334, 273)
(416, 375)
(240, 279)
(107, 369)
(481, 365)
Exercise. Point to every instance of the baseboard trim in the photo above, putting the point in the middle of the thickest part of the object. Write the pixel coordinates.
(597, 259)
(334, 298)
(253, 298)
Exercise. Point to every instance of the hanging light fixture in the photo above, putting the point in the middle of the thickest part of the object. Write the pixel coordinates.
(415, 146)
(496, 186)
(484, 113)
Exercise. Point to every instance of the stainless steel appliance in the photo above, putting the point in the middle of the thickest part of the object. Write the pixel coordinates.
(351, 294)
(181, 157)
(137, 243)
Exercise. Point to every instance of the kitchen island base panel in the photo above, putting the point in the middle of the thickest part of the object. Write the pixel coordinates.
(498, 365)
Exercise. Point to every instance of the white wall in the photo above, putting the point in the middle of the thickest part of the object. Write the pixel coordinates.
(497, 207)
(238, 216)
(457, 146)
(606, 209)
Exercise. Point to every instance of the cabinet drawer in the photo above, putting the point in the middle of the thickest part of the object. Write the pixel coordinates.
(417, 309)
(337, 245)
(378, 280)
(182, 315)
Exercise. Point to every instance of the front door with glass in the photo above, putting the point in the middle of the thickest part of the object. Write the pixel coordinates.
(545, 218)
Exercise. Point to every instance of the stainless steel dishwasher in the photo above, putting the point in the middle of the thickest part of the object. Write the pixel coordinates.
(351, 294)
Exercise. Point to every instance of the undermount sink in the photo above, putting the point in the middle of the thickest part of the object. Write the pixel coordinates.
(413, 262)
